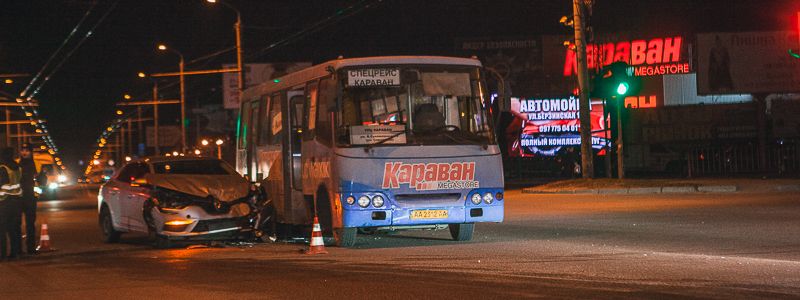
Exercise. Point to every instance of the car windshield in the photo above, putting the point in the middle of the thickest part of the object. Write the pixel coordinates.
(193, 167)
(447, 106)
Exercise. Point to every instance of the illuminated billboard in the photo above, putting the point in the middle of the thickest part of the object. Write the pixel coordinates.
(545, 127)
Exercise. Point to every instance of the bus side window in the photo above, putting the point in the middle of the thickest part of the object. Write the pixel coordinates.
(326, 98)
(310, 115)
(275, 119)
(263, 135)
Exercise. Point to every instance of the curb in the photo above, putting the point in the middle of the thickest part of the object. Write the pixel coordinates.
(678, 189)
(656, 190)
(717, 188)
(788, 188)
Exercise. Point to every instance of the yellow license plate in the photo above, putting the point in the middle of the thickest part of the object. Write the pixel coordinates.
(429, 214)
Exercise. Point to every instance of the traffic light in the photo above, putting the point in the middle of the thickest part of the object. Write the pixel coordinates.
(615, 80)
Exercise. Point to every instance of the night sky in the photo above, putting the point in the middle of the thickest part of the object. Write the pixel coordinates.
(80, 96)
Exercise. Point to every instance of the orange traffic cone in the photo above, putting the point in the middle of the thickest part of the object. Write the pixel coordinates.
(317, 244)
(44, 240)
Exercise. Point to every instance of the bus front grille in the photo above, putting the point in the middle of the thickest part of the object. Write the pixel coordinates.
(424, 200)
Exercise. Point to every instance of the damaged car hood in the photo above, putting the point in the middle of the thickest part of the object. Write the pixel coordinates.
(223, 187)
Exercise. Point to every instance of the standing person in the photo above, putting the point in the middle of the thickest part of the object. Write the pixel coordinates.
(10, 206)
(27, 182)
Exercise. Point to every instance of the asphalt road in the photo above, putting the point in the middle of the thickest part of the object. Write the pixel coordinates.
(723, 246)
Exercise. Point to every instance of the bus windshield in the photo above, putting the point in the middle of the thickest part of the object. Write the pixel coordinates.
(447, 106)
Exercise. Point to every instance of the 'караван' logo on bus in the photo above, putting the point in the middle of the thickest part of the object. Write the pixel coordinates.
(430, 176)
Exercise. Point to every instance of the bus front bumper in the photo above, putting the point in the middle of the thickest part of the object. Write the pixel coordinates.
(407, 216)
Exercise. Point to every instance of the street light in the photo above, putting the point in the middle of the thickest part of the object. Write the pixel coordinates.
(204, 142)
(237, 28)
(163, 47)
(219, 148)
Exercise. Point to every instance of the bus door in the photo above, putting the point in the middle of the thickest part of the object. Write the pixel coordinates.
(296, 206)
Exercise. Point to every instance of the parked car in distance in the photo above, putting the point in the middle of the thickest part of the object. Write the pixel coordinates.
(175, 199)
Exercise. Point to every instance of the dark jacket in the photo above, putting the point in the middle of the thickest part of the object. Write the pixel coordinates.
(27, 180)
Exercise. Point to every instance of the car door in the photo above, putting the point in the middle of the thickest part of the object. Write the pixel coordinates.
(115, 192)
(135, 197)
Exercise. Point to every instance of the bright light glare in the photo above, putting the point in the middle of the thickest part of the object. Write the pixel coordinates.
(622, 88)
(127, 158)
(62, 178)
(219, 142)
(162, 47)
(204, 142)
(52, 185)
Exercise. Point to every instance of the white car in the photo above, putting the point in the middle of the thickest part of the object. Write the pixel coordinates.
(175, 199)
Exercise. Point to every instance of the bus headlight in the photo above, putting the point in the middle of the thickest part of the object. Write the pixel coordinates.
(363, 201)
(476, 199)
(488, 198)
(350, 200)
(377, 201)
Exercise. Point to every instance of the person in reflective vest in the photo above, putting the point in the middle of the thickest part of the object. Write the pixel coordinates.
(10, 205)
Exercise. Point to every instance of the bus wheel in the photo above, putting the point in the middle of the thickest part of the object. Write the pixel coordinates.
(346, 237)
(461, 232)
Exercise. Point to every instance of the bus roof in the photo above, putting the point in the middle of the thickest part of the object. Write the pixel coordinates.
(321, 70)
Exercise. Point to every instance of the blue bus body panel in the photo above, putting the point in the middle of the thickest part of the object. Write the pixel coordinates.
(443, 179)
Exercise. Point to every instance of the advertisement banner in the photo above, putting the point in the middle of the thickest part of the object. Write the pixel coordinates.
(255, 74)
(747, 62)
(547, 126)
(517, 60)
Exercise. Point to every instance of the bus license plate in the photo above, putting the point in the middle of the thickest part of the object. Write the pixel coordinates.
(429, 214)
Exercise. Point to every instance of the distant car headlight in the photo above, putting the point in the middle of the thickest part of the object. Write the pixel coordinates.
(377, 201)
(476, 199)
(363, 201)
(52, 185)
(350, 200)
(488, 198)
(62, 178)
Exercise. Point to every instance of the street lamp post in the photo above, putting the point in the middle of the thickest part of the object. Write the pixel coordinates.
(237, 28)
(163, 47)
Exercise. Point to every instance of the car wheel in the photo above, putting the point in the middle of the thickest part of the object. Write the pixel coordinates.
(110, 235)
(461, 232)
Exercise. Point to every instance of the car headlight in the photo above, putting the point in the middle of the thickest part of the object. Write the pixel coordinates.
(476, 199)
(488, 198)
(377, 201)
(52, 185)
(350, 200)
(363, 201)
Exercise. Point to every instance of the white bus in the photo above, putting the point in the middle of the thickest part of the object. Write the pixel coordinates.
(377, 143)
